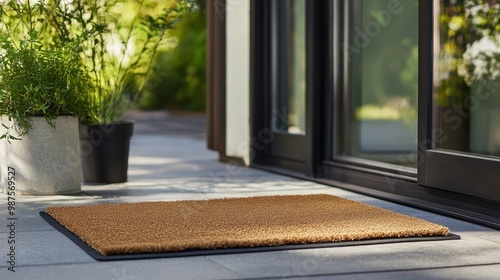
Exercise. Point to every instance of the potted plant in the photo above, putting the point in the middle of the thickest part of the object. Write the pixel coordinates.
(43, 93)
(119, 49)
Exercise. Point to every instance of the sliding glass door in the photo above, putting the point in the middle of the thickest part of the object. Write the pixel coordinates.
(460, 93)
(397, 99)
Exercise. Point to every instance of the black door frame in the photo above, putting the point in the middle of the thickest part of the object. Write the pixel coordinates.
(275, 148)
(300, 154)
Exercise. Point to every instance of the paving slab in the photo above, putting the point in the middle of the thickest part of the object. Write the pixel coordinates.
(198, 268)
(484, 272)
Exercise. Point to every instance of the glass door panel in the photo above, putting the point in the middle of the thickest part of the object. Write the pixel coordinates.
(467, 77)
(289, 82)
(462, 137)
(379, 104)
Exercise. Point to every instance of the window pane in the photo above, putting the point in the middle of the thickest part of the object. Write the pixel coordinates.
(290, 51)
(467, 76)
(381, 55)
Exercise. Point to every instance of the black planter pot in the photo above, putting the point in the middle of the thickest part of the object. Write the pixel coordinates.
(104, 152)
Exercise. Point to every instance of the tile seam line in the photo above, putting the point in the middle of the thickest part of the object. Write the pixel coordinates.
(28, 231)
(52, 265)
(366, 272)
(93, 262)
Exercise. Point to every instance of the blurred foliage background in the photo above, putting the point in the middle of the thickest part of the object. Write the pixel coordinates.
(179, 79)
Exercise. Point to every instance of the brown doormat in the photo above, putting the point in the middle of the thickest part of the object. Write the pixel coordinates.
(253, 223)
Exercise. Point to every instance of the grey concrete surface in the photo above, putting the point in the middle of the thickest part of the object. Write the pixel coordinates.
(170, 166)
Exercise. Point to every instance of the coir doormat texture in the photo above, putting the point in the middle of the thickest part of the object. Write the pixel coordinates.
(233, 225)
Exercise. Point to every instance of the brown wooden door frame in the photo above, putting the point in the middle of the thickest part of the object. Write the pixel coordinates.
(216, 76)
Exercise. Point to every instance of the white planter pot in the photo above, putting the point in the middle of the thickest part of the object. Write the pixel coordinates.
(46, 161)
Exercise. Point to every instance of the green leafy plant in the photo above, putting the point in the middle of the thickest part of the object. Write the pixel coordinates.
(118, 41)
(36, 78)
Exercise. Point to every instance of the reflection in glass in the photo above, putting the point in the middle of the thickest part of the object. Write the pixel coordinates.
(290, 62)
(467, 76)
(381, 55)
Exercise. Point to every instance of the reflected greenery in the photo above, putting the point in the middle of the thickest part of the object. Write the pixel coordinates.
(467, 103)
(383, 82)
(462, 25)
(388, 64)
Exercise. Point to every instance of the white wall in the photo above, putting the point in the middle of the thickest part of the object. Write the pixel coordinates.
(238, 79)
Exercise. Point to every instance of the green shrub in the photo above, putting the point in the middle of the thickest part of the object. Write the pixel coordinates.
(36, 82)
(37, 78)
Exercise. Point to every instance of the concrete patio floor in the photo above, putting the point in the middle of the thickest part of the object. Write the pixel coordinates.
(169, 161)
